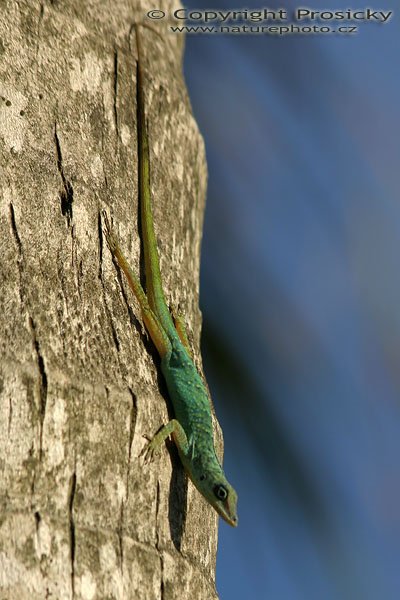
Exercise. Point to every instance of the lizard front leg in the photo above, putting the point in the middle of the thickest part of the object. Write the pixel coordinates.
(174, 429)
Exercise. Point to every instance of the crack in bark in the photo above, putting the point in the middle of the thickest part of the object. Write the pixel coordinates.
(113, 330)
(43, 384)
(19, 248)
(31, 452)
(120, 531)
(132, 427)
(38, 518)
(156, 519)
(80, 277)
(14, 228)
(115, 89)
(162, 585)
(71, 498)
(10, 414)
(67, 194)
(101, 245)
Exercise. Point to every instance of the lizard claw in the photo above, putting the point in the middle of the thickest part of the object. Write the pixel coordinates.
(149, 451)
(108, 232)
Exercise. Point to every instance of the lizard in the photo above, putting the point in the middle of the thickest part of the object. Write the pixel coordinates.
(191, 428)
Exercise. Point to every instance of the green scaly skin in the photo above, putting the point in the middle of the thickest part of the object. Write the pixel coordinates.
(191, 429)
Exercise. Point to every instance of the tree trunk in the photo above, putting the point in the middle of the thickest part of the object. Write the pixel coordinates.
(81, 516)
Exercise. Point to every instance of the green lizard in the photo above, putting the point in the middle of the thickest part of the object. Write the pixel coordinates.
(191, 429)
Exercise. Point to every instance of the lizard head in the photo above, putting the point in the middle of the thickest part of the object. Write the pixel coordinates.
(214, 486)
(225, 502)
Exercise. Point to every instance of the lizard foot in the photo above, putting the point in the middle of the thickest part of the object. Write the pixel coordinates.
(109, 233)
(151, 450)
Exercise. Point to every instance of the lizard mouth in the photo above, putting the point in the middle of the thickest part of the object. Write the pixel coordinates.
(231, 519)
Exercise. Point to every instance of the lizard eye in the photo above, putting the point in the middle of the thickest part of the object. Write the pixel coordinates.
(202, 477)
(221, 492)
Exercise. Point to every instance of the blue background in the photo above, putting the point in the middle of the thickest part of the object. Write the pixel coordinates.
(300, 291)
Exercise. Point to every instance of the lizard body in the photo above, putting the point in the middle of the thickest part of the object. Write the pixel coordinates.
(191, 429)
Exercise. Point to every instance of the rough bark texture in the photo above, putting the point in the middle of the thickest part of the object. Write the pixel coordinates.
(81, 516)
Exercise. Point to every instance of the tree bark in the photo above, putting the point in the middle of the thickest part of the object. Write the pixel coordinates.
(81, 516)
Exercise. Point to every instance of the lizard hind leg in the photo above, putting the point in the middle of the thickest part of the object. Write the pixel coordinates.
(153, 325)
(181, 330)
